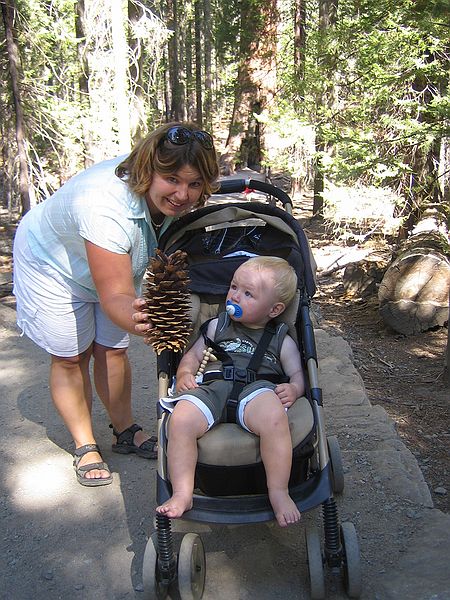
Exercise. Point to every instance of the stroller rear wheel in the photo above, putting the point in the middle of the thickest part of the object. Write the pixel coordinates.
(154, 588)
(315, 563)
(191, 567)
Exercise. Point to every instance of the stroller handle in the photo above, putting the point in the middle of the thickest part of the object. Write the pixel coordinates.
(235, 186)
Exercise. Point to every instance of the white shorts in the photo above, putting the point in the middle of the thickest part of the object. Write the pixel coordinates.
(61, 317)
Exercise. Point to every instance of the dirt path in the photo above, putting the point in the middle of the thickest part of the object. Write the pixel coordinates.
(62, 541)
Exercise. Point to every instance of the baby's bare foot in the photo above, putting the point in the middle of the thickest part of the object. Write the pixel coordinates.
(175, 506)
(286, 512)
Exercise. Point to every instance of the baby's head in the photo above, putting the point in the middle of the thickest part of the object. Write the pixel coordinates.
(261, 289)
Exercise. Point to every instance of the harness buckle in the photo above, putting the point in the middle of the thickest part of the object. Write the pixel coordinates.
(251, 375)
(228, 372)
(240, 375)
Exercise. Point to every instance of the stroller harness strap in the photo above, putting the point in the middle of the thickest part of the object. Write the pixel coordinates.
(240, 377)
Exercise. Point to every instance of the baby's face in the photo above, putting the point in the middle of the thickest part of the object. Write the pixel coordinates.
(253, 291)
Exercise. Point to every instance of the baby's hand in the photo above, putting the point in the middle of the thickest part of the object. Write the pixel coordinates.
(287, 393)
(185, 382)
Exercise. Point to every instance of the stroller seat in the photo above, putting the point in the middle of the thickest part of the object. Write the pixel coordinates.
(228, 444)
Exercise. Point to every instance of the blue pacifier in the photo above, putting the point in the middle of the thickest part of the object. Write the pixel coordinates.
(234, 310)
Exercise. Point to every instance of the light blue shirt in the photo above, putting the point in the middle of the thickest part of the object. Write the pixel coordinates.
(97, 206)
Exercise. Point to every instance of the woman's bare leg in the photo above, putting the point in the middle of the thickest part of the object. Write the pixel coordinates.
(266, 417)
(71, 391)
(112, 376)
(187, 423)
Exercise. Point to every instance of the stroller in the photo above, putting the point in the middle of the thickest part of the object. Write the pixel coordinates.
(230, 485)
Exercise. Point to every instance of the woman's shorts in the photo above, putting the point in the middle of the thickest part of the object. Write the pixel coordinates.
(211, 399)
(62, 318)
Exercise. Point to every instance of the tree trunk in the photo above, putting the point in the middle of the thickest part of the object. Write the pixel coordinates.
(414, 292)
(447, 352)
(326, 99)
(198, 64)
(137, 104)
(176, 90)
(83, 81)
(119, 48)
(8, 12)
(299, 38)
(190, 79)
(256, 82)
(208, 73)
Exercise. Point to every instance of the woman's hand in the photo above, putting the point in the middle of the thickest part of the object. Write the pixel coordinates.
(141, 319)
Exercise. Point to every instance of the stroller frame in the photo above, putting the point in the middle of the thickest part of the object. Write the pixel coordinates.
(162, 567)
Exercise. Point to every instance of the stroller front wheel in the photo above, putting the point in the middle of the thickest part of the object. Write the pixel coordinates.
(191, 567)
(154, 588)
(315, 563)
(351, 560)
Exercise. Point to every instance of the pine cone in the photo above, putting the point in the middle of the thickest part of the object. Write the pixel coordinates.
(168, 301)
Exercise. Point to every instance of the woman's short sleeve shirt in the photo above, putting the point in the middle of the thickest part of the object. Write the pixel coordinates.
(97, 206)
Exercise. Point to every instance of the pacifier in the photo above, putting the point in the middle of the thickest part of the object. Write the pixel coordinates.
(234, 310)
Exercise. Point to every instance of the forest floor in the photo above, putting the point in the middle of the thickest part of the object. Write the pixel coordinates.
(403, 374)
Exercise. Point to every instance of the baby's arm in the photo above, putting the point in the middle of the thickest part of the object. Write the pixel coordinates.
(190, 362)
(292, 366)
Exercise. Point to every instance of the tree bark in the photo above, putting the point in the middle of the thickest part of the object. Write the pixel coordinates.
(325, 100)
(256, 81)
(447, 351)
(299, 38)
(207, 35)
(176, 90)
(8, 12)
(190, 78)
(83, 81)
(198, 63)
(137, 105)
(120, 79)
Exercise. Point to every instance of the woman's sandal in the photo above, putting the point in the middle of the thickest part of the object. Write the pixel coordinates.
(81, 471)
(125, 443)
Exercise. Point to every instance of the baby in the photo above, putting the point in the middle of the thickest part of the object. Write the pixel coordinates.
(260, 290)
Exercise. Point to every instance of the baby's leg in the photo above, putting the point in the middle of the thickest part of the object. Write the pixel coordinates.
(266, 417)
(187, 423)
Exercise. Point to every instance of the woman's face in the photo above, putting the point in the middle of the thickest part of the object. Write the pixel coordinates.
(174, 194)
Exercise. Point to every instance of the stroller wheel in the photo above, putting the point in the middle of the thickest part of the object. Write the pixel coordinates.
(191, 567)
(351, 560)
(315, 563)
(154, 589)
(337, 470)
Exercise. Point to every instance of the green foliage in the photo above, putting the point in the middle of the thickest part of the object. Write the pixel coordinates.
(374, 85)
(381, 90)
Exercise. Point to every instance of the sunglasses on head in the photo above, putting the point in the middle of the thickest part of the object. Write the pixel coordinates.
(181, 136)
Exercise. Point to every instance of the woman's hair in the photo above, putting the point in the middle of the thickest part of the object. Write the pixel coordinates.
(284, 277)
(155, 153)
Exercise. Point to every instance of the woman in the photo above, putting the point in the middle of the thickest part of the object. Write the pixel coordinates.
(79, 261)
